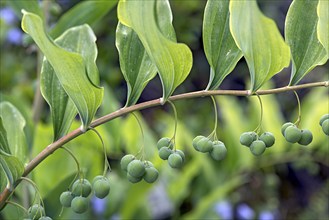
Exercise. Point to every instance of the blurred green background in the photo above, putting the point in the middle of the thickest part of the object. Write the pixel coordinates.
(288, 182)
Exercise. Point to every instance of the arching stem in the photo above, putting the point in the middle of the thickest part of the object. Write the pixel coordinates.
(299, 110)
(213, 134)
(141, 149)
(16, 204)
(176, 119)
(76, 162)
(259, 127)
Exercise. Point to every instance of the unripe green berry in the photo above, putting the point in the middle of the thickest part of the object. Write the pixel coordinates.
(284, 126)
(306, 138)
(164, 153)
(148, 164)
(101, 187)
(175, 160)
(66, 198)
(126, 160)
(204, 145)
(80, 204)
(136, 168)
(257, 147)
(133, 179)
(196, 140)
(323, 118)
(247, 138)
(45, 218)
(219, 150)
(268, 138)
(292, 134)
(165, 142)
(181, 153)
(325, 127)
(81, 187)
(35, 211)
(151, 175)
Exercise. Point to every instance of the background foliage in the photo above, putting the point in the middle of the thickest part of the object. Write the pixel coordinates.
(288, 181)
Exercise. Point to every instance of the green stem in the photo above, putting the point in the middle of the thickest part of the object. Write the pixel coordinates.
(259, 127)
(141, 149)
(76, 162)
(176, 119)
(106, 162)
(16, 204)
(213, 134)
(299, 110)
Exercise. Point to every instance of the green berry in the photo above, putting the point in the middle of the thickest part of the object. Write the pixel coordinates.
(219, 150)
(81, 187)
(292, 134)
(181, 153)
(323, 118)
(136, 168)
(80, 204)
(36, 211)
(133, 179)
(126, 160)
(165, 142)
(151, 175)
(164, 153)
(284, 126)
(325, 127)
(268, 139)
(306, 138)
(257, 147)
(204, 145)
(101, 187)
(66, 198)
(148, 164)
(175, 160)
(196, 140)
(45, 218)
(247, 138)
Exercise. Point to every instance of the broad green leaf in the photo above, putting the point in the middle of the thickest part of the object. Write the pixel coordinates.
(4, 146)
(301, 35)
(12, 169)
(136, 66)
(219, 45)
(172, 60)
(323, 24)
(14, 123)
(85, 12)
(77, 73)
(259, 40)
(79, 40)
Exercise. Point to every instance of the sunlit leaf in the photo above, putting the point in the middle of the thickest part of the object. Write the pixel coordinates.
(219, 45)
(14, 123)
(85, 12)
(323, 24)
(77, 73)
(173, 60)
(12, 169)
(78, 40)
(259, 40)
(301, 35)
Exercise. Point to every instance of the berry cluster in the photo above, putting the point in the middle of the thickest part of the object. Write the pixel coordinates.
(295, 135)
(36, 211)
(138, 170)
(257, 144)
(77, 198)
(324, 123)
(175, 157)
(216, 148)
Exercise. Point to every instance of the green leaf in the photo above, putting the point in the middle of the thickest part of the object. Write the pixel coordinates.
(136, 66)
(14, 123)
(86, 12)
(259, 40)
(219, 45)
(12, 169)
(79, 40)
(77, 73)
(31, 5)
(323, 24)
(301, 35)
(4, 146)
(173, 60)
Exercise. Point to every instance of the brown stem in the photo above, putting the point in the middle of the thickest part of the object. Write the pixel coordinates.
(156, 102)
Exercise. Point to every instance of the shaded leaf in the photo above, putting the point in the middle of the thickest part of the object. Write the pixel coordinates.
(259, 40)
(323, 24)
(4, 146)
(77, 73)
(12, 169)
(306, 50)
(173, 60)
(88, 12)
(14, 123)
(219, 45)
